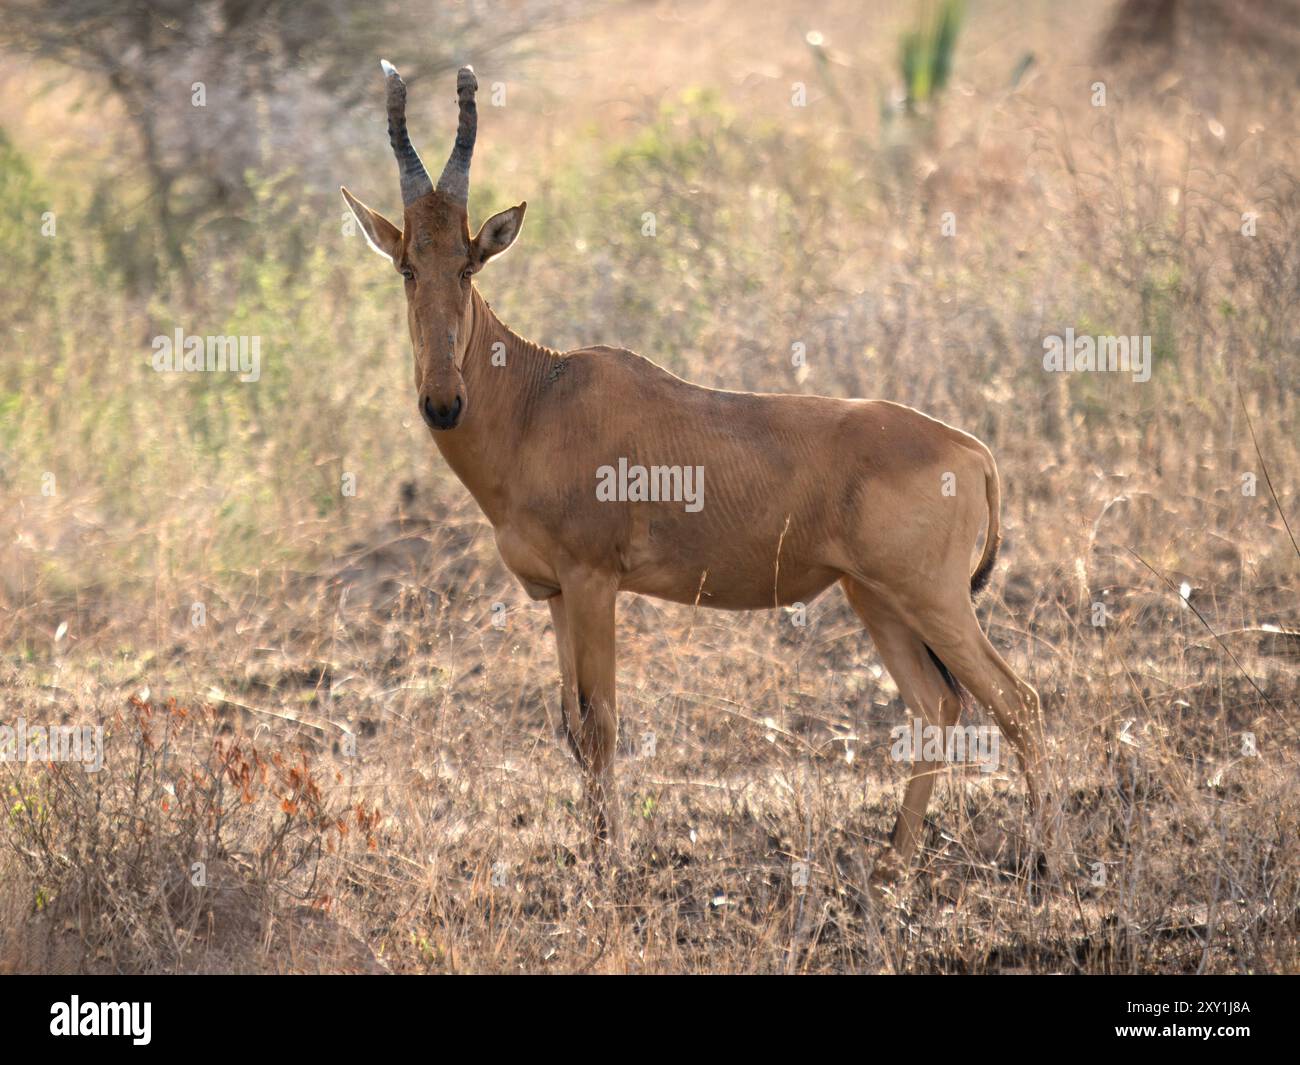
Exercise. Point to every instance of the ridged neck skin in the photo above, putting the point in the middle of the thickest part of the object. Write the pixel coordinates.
(502, 394)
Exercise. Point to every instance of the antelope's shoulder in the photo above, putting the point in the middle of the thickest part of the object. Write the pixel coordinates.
(611, 359)
(602, 367)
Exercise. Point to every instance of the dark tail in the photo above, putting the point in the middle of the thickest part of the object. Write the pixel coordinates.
(985, 569)
(993, 539)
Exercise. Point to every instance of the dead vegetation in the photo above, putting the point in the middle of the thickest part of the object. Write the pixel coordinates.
(359, 738)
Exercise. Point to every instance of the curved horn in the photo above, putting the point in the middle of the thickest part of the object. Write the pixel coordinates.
(455, 175)
(415, 179)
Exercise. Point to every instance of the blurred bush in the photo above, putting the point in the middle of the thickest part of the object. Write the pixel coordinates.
(214, 91)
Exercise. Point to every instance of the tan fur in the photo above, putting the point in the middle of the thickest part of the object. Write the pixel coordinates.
(799, 492)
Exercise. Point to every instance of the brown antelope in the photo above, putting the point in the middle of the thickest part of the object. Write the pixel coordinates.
(802, 491)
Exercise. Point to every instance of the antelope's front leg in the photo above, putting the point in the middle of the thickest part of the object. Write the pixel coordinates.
(583, 616)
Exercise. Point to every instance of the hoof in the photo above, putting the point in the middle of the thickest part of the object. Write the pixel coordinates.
(606, 860)
(887, 875)
(1037, 877)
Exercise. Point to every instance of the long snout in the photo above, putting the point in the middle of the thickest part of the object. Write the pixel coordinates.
(442, 396)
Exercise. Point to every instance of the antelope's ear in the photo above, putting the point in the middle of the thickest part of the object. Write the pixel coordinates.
(381, 234)
(497, 234)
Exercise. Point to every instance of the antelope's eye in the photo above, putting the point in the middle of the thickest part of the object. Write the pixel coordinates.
(408, 273)
(467, 273)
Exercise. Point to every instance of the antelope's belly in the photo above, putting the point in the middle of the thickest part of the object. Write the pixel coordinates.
(723, 585)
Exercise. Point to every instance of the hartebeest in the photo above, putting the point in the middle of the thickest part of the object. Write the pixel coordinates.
(802, 491)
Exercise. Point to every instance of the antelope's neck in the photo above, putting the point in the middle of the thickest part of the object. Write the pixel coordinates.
(504, 374)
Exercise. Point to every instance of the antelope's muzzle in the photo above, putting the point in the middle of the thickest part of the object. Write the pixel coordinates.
(441, 416)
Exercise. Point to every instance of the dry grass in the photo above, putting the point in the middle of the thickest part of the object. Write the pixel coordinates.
(433, 825)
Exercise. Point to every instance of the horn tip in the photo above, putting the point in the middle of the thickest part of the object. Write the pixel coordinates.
(390, 71)
(465, 79)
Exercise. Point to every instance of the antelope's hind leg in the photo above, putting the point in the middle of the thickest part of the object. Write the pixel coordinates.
(583, 617)
(956, 637)
(929, 696)
(953, 632)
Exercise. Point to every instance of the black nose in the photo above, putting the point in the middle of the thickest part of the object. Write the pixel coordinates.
(443, 417)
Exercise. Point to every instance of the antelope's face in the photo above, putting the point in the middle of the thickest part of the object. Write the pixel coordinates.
(435, 254)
